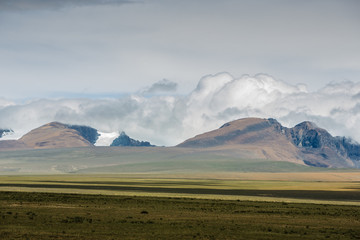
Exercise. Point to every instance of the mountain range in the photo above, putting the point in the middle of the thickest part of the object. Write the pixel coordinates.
(255, 138)
(304, 143)
(59, 135)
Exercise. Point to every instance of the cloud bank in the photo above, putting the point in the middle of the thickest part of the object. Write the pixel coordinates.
(26, 5)
(168, 120)
(162, 86)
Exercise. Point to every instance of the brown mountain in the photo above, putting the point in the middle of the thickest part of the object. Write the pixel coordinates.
(51, 135)
(247, 138)
(266, 138)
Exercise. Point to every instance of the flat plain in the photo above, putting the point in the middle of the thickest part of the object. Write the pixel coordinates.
(322, 205)
(172, 193)
(114, 160)
(329, 187)
(25, 215)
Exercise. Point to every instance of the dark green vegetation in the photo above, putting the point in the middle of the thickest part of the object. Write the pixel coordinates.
(71, 216)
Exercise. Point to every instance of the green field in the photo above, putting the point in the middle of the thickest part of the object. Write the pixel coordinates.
(320, 205)
(72, 216)
(140, 160)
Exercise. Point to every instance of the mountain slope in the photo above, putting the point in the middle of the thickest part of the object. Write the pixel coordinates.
(319, 148)
(89, 133)
(249, 134)
(305, 143)
(51, 135)
(59, 135)
(54, 135)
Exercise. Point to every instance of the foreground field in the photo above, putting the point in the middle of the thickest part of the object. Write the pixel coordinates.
(72, 216)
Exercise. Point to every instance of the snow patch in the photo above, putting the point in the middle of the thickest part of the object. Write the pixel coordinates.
(12, 135)
(105, 139)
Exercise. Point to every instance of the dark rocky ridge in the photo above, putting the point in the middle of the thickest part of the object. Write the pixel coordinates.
(309, 138)
(5, 131)
(89, 133)
(125, 141)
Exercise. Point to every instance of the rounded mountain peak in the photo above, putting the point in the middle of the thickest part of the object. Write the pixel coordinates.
(54, 125)
(54, 135)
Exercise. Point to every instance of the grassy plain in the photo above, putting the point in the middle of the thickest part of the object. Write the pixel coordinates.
(111, 160)
(322, 205)
(172, 193)
(25, 215)
(331, 187)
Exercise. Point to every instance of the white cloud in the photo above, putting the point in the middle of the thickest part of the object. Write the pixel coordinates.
(162, 86)
(168, 120)
(5, 103)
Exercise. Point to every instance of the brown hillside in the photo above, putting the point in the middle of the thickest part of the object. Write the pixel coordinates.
(54, 135)
(12, 145)
(260, 136)
(267, 138)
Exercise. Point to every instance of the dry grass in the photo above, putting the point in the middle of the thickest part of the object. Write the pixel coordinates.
(336, 187)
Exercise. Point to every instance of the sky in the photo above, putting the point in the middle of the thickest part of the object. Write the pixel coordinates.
(167, 70)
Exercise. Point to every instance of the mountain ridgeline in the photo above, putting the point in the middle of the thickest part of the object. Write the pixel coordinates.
(4, 132)
(125, 141)
(314, 141)
(305, 142)
(89, 133)
(53, 135)
(59, 135)
(249, 138)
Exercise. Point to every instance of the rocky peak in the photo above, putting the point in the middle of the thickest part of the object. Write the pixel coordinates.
(307, 134)
(310, 138)
(274, 123)
(306, 125)
(89, 133)
(306, 142)
(4, 132)
(125, 141)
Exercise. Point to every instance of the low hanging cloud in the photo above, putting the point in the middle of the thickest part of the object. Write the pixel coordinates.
(28, 5)
(162, 86)
(5, 103)
(168, 120)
